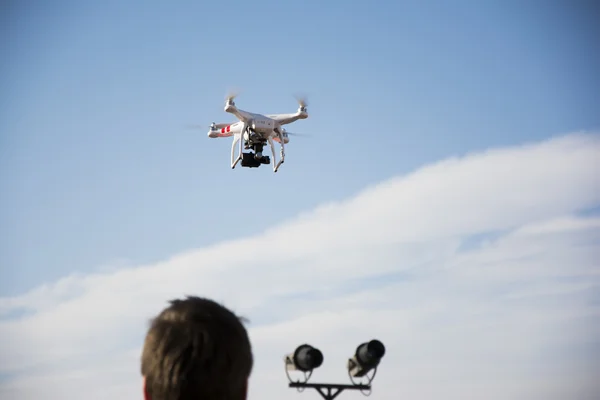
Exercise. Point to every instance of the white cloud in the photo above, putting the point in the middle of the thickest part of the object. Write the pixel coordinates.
(513, 316)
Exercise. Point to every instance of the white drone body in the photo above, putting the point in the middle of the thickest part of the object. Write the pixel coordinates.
(253, 131)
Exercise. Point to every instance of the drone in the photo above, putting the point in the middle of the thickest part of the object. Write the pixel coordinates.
(254, 131)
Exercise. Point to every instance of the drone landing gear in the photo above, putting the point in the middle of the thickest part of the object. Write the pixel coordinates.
(281, 155)
(234, 159)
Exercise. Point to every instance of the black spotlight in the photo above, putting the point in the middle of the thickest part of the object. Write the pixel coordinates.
(305, 358)
(367, 356)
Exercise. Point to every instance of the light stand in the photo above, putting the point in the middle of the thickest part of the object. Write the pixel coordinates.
(328, 391)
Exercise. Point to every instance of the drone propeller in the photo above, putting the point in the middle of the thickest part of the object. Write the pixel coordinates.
(302, 103)
(232, 94)
(197, 126)
(212, 126)
(295, 133)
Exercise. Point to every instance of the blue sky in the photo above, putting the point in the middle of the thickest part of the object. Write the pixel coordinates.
(98, 168)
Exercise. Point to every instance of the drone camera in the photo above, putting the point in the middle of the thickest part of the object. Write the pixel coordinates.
(305, 358)
(367, 357)
(250, 160)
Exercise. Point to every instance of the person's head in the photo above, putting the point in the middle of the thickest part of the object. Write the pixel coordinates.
(196, 349)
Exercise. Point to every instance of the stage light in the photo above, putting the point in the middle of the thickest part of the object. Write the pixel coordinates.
(305, 358)
(366, 358)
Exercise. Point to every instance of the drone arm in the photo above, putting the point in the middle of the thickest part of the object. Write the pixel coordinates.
(240, 114)
(284, 119)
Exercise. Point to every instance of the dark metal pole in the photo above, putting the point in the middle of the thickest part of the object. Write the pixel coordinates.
(328, 391)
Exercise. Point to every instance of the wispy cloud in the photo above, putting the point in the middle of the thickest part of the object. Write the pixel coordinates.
(515, 315)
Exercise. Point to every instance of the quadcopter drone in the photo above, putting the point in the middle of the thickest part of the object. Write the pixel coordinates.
(254, 131)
